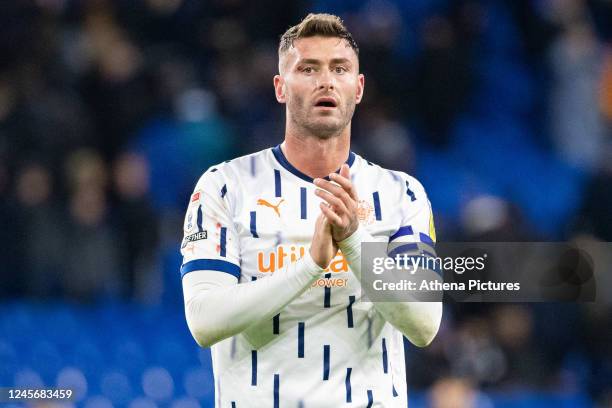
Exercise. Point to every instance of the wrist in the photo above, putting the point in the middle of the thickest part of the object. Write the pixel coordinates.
(353, 242)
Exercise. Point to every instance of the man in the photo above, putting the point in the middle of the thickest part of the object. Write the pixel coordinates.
(264, 282)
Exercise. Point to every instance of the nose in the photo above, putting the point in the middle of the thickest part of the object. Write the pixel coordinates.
(325, 80)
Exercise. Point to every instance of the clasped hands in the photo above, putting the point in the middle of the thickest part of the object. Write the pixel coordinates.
(338, 219)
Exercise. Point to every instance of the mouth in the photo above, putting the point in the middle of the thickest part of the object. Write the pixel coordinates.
(326, 102)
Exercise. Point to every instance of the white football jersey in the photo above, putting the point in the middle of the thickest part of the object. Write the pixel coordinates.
(253, 215)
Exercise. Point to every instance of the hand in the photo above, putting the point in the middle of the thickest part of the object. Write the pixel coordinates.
(323, 248)
(340, 207)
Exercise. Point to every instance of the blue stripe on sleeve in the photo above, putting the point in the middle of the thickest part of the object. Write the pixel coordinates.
(347, 384)
(349, 311)
(222, 242)
(253, 367)
(395, 394)
(277, 183)
(233, 404)
(384, 356)
(425, 238)
(412, 246)
(223, 190)
(410, 192)
(276, 324)
(200, 219)
(376, 198)
(254, 224)
(370, 399)
(276, 390)
(301, 329)
(211, 265)
(303, 207)
(326, 357)
(402, 231)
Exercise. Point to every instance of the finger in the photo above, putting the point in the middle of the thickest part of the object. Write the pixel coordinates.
(332, 217)
(345, 171)
(334, 189)
(346, 184)
(332, 200)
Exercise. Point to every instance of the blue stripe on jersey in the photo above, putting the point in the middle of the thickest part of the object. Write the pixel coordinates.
(376, 199)
(233, 349)
(395, 394)
(370, 399)
(253, 278)
(276, 324)
(410, 192)
(200, 219)
(301, 328)
(253, 367)
(222, 242)
(223, 190)
(347, 384)
(349, 311)
(412, 246)
(280, 157)
(327, 293)
(233, 404)
(253, 170)
(277, 183)
(384, 356)
(276, 390)
(401, 232)
(211, 265)
(300, 404)
(326, 356)
(426, 239)
(303, 206)
(254, 224)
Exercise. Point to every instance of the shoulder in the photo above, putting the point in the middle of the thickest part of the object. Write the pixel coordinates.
(231, 170)
(389, 179)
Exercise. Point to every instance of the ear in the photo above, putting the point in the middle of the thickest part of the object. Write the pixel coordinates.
(361, 85)
(279, 88)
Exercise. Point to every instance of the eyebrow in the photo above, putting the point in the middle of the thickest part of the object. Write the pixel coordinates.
(318, 62)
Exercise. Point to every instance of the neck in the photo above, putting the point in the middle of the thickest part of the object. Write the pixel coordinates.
(317, 157)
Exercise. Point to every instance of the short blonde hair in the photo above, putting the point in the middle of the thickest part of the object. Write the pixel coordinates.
(322, 24)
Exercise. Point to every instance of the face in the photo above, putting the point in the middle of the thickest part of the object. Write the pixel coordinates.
(320, 83)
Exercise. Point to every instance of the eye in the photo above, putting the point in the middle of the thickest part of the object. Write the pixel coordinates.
(340, 69)
(308, 70)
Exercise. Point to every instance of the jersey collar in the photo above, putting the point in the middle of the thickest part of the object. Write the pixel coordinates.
(282, 160)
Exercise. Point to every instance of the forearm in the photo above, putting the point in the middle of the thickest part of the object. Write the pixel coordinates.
(217, 308)
(418, 321)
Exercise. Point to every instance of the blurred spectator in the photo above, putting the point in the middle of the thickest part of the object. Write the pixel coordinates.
(576, 60)
(92, 255)
(137, 225)
(42, 226)
(452, 392)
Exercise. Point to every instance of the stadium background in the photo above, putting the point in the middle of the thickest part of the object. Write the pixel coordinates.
(110, 110)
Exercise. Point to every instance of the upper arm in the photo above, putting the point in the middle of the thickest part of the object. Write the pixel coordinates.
(417, 223)
(210, 241)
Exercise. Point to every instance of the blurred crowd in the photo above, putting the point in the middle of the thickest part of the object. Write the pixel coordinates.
(110, 111)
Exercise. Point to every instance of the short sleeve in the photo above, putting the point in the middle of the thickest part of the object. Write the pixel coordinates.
(210, 241)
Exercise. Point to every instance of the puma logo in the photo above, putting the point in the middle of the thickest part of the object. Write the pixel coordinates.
(265, 203)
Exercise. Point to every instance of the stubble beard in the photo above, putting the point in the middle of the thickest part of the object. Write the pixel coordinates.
(321, 129)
